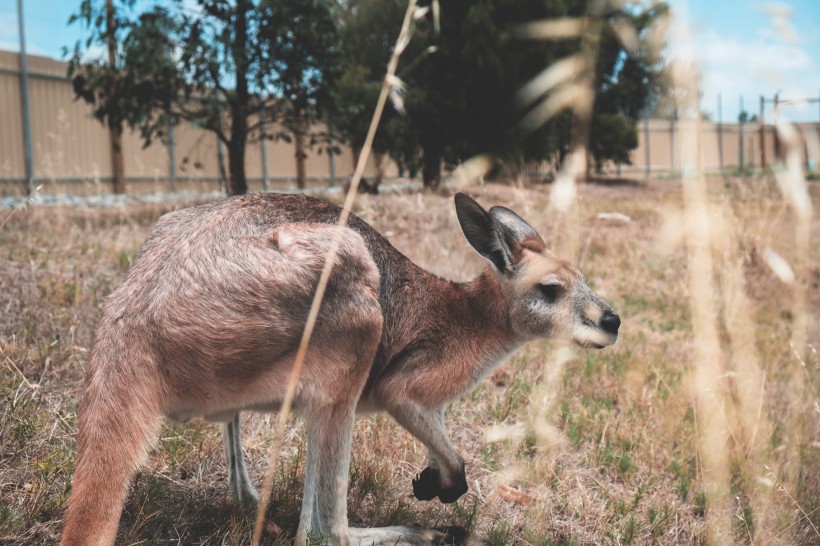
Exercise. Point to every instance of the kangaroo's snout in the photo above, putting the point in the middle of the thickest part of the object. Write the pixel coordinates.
(610, 322)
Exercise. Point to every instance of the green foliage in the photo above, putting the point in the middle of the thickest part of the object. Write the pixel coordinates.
(230, 67)
(367, 31)
(234, 67)
(628, 81)
(462, 80)
(465, 105)
(499, 533)
(613, 137)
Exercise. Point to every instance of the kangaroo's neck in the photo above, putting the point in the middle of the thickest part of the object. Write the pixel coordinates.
(442, 338)
(483, 317)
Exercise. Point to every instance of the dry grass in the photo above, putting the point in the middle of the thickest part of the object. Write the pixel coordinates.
(586, 448)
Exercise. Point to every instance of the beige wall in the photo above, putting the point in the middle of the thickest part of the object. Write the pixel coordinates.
(664, 140)
(71, 149)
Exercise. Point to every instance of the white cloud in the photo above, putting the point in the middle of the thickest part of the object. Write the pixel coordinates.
(8, 31)
(770, 62)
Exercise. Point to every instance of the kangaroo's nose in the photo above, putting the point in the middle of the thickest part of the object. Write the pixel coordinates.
(610, 322)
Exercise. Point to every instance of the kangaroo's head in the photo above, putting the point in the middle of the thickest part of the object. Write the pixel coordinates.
(545, 296)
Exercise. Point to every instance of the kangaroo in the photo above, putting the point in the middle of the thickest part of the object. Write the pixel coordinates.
(208, 319)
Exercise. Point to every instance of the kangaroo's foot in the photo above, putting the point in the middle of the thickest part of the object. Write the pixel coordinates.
(406, 536)
(243, 495)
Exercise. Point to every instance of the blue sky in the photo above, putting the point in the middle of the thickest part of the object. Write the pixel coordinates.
(741, 47)
(749, 49)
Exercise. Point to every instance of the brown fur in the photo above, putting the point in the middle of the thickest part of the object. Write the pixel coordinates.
(209, 317)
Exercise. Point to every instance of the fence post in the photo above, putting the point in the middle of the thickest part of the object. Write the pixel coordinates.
(720, 133)
(646, 137)
(741, 121)
(220, 161)
(331, 159)
(762, 132)
(172, 167)
(264, 148)
(672, 139)
(114, 132)
(777, 154)
(24, 99)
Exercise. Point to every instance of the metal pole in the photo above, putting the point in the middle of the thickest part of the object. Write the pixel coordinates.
(762, 132)
(720, 132)
(172, 163)
(220, 161)
(264, 148)
(646, 137)
(331, 159)
(114, 131)
(220, 153)
(740, 132)
(24, 98)
(672, 139)
(777, 154)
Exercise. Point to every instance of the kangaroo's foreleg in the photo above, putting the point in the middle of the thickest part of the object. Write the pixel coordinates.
(240, 488)
(445, 477)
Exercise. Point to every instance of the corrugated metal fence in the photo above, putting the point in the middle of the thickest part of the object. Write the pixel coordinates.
(70, 151)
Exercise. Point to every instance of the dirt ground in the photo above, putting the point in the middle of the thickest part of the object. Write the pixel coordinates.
(622, 446)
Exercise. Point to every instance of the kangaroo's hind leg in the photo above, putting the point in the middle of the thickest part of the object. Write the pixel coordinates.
(240, 488)
(324, 503)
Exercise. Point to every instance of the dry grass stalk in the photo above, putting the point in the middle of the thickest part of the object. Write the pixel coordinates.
(792, 184)
(284, 412)
(709, 394)
(729, 380)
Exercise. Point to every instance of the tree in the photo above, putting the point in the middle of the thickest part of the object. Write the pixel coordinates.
(368, 31)
(218, 66)
(459, 100)
(744, 117)
(302, 38)
(460, 82)
(627, 74)
(465, 101)
(105, 32)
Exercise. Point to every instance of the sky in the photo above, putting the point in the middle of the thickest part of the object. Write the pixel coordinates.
(748, 49)
(743, 48)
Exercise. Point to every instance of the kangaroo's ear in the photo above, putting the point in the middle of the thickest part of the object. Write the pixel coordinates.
(517, 232)
(482, 232)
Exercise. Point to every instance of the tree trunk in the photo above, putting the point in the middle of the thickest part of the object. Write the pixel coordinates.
(431, 170)
(117, 163)
(299, 142)
(115, 129)
(357, 152)
(378, 158)
(237, 182)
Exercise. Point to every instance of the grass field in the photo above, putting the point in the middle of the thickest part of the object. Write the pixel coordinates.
(627, 445)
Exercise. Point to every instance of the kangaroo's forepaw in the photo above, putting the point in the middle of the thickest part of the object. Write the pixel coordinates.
(428, 486)
(454, 492)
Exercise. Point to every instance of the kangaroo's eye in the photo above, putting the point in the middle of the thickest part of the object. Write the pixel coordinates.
(551, 292)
